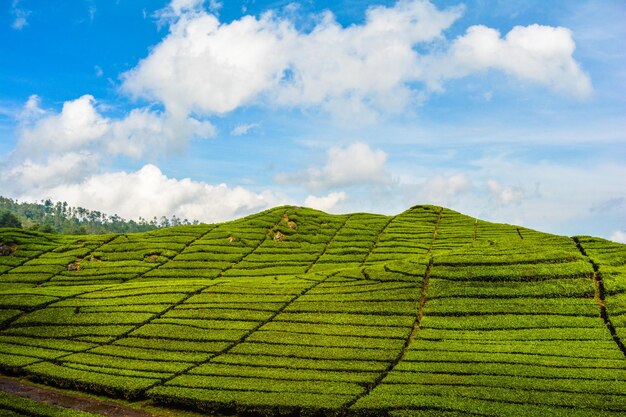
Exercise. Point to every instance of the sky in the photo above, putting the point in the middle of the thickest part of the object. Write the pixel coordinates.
(510, 112)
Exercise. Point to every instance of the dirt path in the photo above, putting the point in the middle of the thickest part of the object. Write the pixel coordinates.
(67, 400)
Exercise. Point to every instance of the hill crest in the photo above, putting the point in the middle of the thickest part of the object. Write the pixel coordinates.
(294, 310)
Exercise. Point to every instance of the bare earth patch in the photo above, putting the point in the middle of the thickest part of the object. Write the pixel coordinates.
(66, 400)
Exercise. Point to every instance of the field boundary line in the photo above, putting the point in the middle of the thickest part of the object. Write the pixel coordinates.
(377, 240)
(42, 253)
(242, 339)
(600, 295)
(28, 260)
(159, 265)
(331, 240)
(6, 324)
(107, 241)
(415, 328)
(435, 232)
(137, 326)
(234, 264)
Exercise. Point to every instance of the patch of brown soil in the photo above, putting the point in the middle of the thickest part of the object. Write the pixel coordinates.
(67, 400)
(7, 249)
(74, 266)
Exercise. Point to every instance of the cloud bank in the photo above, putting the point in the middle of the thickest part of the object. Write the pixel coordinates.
(148, 193)
(60, 156)
(210, 67)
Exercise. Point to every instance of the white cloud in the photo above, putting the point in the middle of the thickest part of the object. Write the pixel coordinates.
(505, 195)
(30, 175)
(541, 54)
(20, 15)
(618, 236)
(56, 149)
(178, 7)
(356, 164)
(362, 67)
(243, 129)
(148, 193)
(80, 126)
(439, 189)
(210, 67)
(76, 126)
(31, 110)
(215, 6)
(325, 203)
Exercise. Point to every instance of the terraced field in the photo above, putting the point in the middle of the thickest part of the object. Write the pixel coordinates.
(292, 310)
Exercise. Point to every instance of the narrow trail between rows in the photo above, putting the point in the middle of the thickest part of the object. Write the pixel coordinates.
(416, 323)
(600, 298)
(68, 400)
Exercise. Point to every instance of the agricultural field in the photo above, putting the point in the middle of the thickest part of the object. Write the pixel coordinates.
(294, 311)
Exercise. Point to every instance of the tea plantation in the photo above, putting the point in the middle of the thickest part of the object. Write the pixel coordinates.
(294, 311)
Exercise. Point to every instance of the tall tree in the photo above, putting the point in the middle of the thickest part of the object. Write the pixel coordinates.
(8, 219)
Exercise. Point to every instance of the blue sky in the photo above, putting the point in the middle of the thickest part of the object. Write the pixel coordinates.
(507, 111)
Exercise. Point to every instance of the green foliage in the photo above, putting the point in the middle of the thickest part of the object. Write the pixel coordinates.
(8, 219)
(50, 217)
(293, 311)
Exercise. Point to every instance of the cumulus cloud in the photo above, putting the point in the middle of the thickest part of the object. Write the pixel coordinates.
(59, 148)
(212, 67)
(80, 126)
(148, 193)
(77, 125)
(355, 164)
(541, 54)
(36, 176)
(618, 236)
(325, 203)
(209, 67)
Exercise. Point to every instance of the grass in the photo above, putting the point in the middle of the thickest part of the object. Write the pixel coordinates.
(293, 310)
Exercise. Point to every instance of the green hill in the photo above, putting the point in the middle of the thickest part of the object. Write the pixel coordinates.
(427, 313)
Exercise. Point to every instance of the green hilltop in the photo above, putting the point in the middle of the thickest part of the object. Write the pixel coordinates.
(294, 311)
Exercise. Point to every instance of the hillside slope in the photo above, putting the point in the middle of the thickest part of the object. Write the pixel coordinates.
(293, 310)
